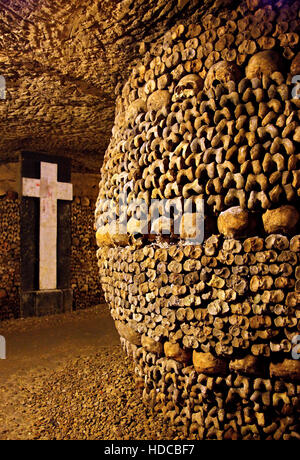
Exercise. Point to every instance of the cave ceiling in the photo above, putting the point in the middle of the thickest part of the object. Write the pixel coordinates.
(62, 61)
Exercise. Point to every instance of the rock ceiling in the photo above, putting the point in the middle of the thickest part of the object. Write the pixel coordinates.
(62, 60)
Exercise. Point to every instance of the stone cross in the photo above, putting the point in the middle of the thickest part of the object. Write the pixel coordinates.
(49, 190)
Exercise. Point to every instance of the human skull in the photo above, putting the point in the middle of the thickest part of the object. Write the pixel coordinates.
(134, 109)
(188, 86)
(157, 100)
(262, 63)
(222, 72)
(295, 66)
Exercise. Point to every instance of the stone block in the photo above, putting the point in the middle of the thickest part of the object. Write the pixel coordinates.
(67, 300)
(27, 304)
(49, 302)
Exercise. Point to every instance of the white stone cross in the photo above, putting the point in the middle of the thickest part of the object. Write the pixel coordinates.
(49, 191)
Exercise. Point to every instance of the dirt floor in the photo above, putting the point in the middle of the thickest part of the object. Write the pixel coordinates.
(66, 377)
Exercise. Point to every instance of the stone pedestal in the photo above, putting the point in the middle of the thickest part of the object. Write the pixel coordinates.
(42, 303)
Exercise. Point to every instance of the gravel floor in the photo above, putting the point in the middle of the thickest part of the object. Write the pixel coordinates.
(91, 397)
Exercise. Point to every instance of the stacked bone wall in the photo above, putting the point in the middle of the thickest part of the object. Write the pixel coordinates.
(84, 277)
(211, 112)
(9, 256)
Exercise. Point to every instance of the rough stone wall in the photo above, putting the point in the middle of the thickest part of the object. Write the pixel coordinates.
(9, 256)
(85, 283)
(211, 112)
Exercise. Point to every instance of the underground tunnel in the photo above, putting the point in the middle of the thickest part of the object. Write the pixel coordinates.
(149, 199)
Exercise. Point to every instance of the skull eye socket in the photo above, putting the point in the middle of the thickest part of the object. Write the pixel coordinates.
(189, 86)
(179, 89)
(215, 83)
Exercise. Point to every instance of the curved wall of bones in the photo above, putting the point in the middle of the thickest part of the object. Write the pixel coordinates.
(212, 113)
